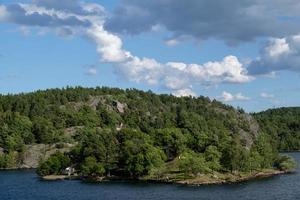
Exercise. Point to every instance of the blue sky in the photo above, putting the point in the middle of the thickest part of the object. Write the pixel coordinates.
(226, 59)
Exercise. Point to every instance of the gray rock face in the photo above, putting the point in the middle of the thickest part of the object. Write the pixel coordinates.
(119, 106)
(248, 136)
(38, 152)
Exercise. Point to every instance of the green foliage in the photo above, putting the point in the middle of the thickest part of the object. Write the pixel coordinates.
(139, 156)
(265, 149)
(100, 144)
(2, 161)
(255, 160)
(8, 160)
(44, 131)
(237, 158)
(213, 157)
(285, 162)
(172, 140)
(54, 165)
(283, 125)
(191, 162)
(152, 130)
(91, 168)
(15, 131)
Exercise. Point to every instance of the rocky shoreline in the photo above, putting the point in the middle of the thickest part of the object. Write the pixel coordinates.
(230, 179)
(211, 179)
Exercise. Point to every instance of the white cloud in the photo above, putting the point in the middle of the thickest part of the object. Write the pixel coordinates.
(277, 47)
(172, 75)
(109, 46)
(279, 54)
(267, 95)
(175, 82)
(88, 21)
(184, 92)
(177, 65)
(143, 70)
(226, 96)
(228, 70)
(93, 8)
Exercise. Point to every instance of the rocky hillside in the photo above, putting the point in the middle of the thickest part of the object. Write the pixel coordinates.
(136, 123)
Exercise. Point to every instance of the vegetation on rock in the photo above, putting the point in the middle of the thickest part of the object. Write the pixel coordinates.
(134, 134)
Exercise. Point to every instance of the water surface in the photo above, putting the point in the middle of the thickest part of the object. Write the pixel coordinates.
(26, 185)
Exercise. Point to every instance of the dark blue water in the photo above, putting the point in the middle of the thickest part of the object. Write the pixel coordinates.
(26, 185)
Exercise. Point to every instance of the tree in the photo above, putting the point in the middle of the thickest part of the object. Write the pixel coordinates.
(212, 157)
(55, 164)
(264, 147)
(44, 131)
(91, 168)
(138, 153)
(100, 144)
(191, 162)
(234, 156)
(172, 140)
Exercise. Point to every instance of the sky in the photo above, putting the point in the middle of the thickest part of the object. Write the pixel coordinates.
(244, 53)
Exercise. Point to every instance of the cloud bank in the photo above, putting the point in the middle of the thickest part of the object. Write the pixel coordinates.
(87, 20)
(229, 20)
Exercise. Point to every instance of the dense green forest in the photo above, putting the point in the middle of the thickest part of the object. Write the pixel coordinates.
(132, 133)
(283, 124)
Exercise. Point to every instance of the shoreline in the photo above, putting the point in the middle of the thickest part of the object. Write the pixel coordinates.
(205, 179)
(232, 179)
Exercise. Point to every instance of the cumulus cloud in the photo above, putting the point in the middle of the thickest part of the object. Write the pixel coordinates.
(277, 55)
(172, 75)
(109, 46)
(178, 76)
(88, 20)
(227, 97)
(229, 20)
(184, 93)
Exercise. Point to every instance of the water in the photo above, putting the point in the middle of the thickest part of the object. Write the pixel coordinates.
(26, 185)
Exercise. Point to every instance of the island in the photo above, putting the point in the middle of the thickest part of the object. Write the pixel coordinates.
(103, 134)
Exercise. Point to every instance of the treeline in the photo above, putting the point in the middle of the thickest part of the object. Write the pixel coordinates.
(132, 153)
(133, 133)
(283, 124)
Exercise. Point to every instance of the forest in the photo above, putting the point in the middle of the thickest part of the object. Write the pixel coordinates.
(134, 134)
(283, 124)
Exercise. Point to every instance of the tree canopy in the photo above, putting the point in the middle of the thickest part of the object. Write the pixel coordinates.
(133, 133)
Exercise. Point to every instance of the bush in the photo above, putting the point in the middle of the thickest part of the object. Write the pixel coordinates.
(285, 163)
(54, 165)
